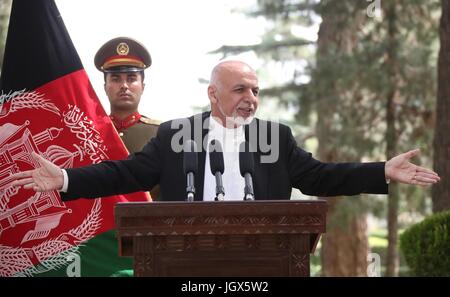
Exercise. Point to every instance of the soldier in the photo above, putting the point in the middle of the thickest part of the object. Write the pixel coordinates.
(123, 61)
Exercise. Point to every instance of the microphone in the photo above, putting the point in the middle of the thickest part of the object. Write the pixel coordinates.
(246, 166)
(190, 167)
(217, 167)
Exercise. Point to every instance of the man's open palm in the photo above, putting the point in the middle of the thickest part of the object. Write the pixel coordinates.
(401, 170)
(47, 177)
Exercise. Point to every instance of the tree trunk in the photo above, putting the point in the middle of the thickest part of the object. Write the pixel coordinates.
(345, 245)
(392, 261)
(441, 191)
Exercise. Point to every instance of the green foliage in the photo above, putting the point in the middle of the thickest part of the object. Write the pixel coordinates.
(360, 79)
(348, 82)
(286, 10)
(426, 246)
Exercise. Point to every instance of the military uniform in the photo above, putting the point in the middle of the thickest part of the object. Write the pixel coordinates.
(135, 131)
(124, 55)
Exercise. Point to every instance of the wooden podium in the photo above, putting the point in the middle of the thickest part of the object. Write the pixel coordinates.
(233, 238)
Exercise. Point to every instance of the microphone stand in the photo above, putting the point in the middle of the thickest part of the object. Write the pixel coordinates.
(220, 190)
(190, 189)
(248, 189)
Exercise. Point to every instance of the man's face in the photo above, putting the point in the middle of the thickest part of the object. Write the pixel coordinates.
(124, 90)
(235, 93)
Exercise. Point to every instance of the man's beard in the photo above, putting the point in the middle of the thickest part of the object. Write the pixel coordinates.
(240, 121)
(235, 120)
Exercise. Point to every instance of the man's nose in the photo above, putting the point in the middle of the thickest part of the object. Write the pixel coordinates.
(250, 97)
(124, 84)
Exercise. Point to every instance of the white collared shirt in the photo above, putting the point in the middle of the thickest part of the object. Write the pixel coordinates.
(233, 182)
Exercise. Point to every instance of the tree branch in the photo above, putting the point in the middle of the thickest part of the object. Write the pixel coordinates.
(260, 48)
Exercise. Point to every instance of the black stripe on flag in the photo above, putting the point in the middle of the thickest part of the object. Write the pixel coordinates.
(38, 47)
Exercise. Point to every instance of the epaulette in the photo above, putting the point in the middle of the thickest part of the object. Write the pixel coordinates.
(149, 121)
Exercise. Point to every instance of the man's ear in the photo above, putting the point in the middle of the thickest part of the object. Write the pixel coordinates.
(212, 91)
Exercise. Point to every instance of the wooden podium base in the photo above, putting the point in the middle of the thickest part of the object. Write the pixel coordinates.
(232, 238)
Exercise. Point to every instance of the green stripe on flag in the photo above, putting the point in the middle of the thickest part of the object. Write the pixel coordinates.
(98, 256)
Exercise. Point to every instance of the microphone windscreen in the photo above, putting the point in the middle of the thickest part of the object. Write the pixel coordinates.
(246, 162)
(216, 157)
(190, 157)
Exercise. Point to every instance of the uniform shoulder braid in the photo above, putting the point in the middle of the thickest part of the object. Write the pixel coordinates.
(149, 121)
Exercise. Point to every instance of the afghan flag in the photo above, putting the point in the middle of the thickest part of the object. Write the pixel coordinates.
(48, 106)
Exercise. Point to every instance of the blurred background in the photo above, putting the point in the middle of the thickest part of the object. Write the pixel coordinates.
(356, 80)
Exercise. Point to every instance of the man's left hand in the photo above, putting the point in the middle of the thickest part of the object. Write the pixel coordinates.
(399, 169)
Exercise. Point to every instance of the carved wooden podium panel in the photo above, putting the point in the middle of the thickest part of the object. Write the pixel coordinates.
(232, 238)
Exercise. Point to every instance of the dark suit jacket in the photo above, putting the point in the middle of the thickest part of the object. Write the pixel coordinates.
(157, 163)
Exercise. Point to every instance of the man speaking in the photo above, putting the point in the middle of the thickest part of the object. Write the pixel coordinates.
(279, 164)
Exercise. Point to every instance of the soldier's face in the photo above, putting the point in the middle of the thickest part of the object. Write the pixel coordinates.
(124, 90)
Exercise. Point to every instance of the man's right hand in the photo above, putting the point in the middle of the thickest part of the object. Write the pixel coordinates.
(48, 177)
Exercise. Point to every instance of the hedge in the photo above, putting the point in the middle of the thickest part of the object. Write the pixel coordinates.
(426, 246)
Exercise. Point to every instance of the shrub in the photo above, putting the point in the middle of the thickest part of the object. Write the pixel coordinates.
(426, 246)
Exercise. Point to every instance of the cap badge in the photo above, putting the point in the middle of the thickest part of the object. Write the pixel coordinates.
(122, 49)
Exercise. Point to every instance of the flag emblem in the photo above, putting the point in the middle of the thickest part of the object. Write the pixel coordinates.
(33, 216)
